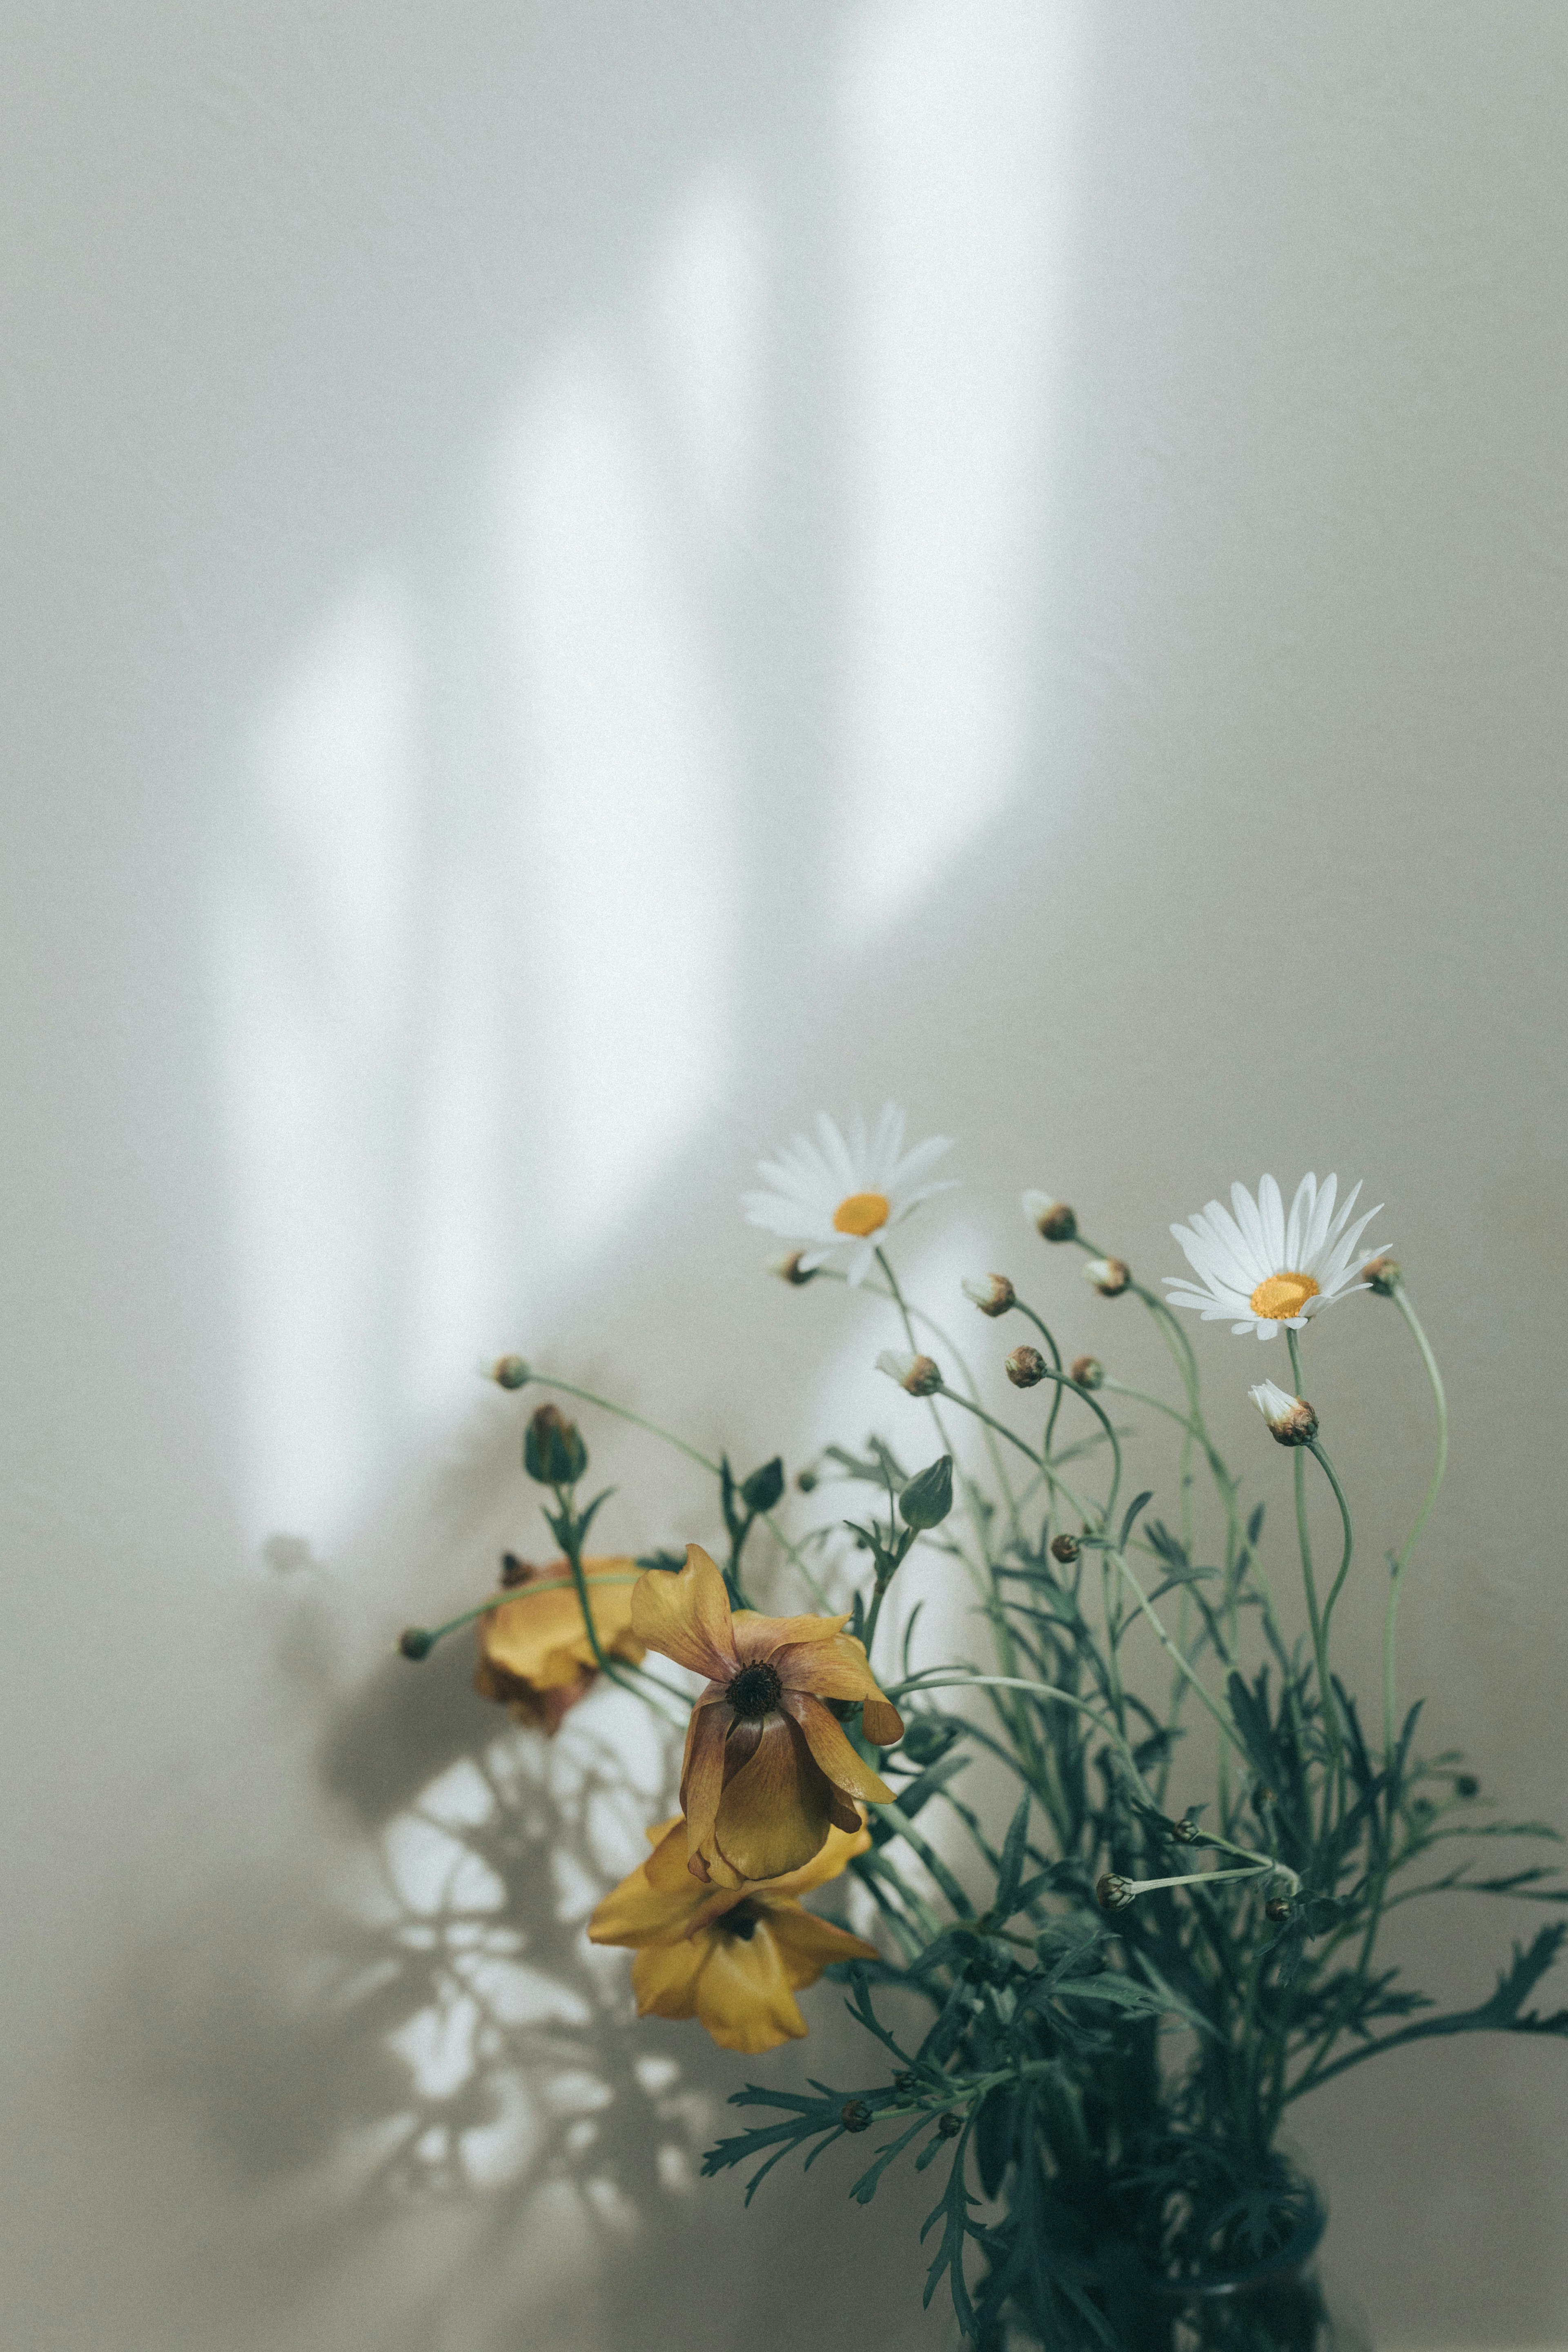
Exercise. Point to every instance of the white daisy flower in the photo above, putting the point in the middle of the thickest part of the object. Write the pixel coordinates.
(1265, 1269)
(844, 1192)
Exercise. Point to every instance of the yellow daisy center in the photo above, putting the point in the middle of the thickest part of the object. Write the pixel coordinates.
(861, 1213)
(1283, 1296)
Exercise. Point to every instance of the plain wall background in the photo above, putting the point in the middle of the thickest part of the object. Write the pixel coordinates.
(581, 581)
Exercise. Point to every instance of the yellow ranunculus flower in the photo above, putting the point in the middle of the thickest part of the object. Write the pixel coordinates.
(767, 1768)
(534, 1651)
(734, 1957)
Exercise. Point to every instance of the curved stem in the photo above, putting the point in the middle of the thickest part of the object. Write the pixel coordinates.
(939, 1678)
(1172, 1651)
(1327, 1469)
(655, 1429)
(1402, 1562)
(1315, 1617)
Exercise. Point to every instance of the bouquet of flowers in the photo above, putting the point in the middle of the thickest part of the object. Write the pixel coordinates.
(1090, 2001)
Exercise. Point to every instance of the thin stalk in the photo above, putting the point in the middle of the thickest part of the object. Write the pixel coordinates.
(937, 1678)
(612, 1668)
(1336, 1587)
(1315, 1617)
(1141, 1598)
(1389, 1624)
(654, 1429)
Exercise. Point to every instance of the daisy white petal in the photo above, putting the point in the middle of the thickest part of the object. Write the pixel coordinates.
(841, 1193)
(1268, 1268)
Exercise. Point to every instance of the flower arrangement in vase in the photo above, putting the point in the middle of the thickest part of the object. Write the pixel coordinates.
(1090, 2008)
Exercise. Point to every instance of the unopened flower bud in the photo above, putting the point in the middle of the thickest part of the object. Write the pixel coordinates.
(928, 1498)
(1087, 1371)
(790, 1269)
(1112, 1892)
(1278, 1909)
(1291, 1419)
(513, 1572)
(948, 2126)
(1466, 1785)
(1066, 1549)
(991, 1293)
(415, 1643)
(919, 1374)
(806, 1481)
(552, 1448)
(1025, 1367)
(855, 2116)
(1110, 1275)
(1185, 1832)
(1052, 1219)
(507, 1372)
(1384, 1274)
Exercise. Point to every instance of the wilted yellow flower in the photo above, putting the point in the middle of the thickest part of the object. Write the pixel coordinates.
(768, 1769)
(534, 1651)
(732, 1957)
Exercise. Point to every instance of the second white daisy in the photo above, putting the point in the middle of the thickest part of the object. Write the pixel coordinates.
(844, 1192)
(1260, 1269)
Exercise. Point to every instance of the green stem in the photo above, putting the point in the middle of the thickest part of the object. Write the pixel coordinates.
(938, 1678)
(1390, 1616)
(1315, 1616)
(1327, 1469)
(654, 1429)
(1172, 1651)
(571, 1543)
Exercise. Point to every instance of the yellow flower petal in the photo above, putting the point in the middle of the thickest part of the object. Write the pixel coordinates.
(702, 1782)
(840, 1850)
(807, 1944)
(825, 1737)
(757, 1636)
(773, 1815)
(744, 1996)
(665, 1978)
(686, 1616)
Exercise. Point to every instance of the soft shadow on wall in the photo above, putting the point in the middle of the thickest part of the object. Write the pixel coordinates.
(494, 924)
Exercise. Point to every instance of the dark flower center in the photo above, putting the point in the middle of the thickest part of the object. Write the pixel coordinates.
(753, 1692)
(742, 1922)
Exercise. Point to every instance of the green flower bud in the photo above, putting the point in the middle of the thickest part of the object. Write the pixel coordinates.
(927, 1498)
(762, 1490)
(510, 1373)
(552, 1448)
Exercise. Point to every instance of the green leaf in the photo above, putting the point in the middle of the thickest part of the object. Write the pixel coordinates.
(1014, 1848)
(1133, 1507)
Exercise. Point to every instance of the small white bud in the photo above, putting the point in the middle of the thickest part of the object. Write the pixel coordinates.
(1110, 1275)
(1291, 1421)
(918, 1374)
(991, 1293)
(1052, 1219)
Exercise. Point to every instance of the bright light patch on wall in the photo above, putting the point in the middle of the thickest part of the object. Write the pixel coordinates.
(622, 801)
(706, 344)
(312, 957)
(956, 120)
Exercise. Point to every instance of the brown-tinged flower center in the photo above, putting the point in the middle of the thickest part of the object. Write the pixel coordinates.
(754, 1692)
(861, 1213)
(742, 1922)
(1282, 1297)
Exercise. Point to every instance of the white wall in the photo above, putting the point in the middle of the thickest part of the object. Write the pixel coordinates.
(582, 580)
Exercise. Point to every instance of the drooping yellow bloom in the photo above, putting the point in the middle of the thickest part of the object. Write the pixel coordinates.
(768, 1770)
(732, 1957)
(534, 1651)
